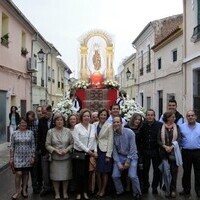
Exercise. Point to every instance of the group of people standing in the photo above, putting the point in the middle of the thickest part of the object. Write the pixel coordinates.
(111, 148)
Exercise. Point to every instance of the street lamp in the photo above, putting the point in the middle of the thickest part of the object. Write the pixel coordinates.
(128, 73)
(41, 54)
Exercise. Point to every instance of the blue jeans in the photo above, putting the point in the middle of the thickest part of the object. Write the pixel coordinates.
(132, 174)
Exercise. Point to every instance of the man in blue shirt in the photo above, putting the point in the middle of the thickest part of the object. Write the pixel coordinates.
(125, 158)
(190, 143)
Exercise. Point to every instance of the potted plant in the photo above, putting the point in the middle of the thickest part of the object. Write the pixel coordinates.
(24, 51)
(4, 39)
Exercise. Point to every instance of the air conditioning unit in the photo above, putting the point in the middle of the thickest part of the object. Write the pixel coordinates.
(32, 64)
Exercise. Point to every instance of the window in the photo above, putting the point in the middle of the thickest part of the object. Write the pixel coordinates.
(174, 55)
(142, 99)
(24, 50)
(159, 63)
(196, 93)
(53, 75)
(148, 102)
(133, 70)
(149, 54)
(148, 66)
(196, 31)
(49, 73)
(198, 12)
(160, 103)
(142, 59)
(4, 30)
(170, 96)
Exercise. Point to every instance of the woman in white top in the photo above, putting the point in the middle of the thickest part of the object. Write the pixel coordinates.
(84, 141)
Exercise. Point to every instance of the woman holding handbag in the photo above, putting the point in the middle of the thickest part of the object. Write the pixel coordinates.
(84, 146)
(59, 143)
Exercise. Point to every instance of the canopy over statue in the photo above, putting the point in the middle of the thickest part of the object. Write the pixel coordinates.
(96, 58)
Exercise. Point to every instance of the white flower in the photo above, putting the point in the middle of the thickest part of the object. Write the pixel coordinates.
(130, 107)
(81, 85)
(111, 84)
(65, 107)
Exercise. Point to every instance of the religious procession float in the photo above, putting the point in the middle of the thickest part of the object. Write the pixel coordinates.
(96, 87)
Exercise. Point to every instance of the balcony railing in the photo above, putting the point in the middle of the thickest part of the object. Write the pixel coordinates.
(34, 80)
(42, 82)
(141, 71)
(196, 34)
(148, 68)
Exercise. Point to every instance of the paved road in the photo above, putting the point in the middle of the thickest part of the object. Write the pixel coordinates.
(7, 189)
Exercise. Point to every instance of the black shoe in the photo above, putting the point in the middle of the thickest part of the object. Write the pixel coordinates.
(44, 192)
(145, 191)
(198, 193)
(163, 188)
(155, 191)
(36, 191)
(184, 193)
(137, 197)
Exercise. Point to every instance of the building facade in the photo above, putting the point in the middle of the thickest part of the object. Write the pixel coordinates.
(155, 66)
(191, 55)
(26, 80)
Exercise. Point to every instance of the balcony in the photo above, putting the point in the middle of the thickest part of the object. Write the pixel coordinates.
(5, 40)
(196, 34)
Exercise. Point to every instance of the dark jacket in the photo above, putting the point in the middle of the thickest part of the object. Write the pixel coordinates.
(178, 116)
(149, 135)
(42, 133)
(138, 139)
(16, 118)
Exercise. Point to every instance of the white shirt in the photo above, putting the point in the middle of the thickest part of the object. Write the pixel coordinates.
(85, 140)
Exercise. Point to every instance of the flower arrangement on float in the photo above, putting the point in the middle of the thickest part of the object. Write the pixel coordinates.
(65, 107)
(130, 107)
(110, 84)
(81, 85)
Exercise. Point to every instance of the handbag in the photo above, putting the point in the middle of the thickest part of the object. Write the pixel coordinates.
(78, 155)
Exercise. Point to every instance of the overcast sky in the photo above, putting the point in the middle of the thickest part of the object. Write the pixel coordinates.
(63, 22)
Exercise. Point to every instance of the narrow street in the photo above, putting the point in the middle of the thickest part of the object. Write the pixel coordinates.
(7, 189)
